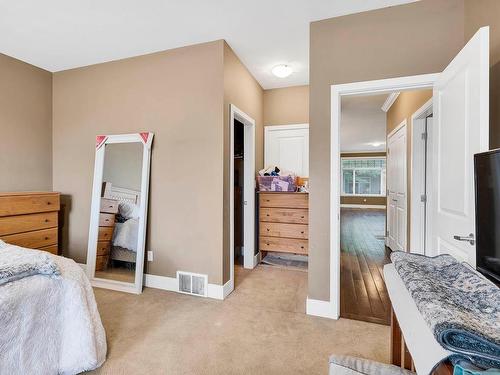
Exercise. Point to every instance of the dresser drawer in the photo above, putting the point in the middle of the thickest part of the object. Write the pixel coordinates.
(105, 234)
(103, 247)
(109, 206)
(286, 200)
(33, 240)
(284, 230)
(26, 223)
(53, 249)
(11, 205)
(284, 245)
(284, 215)
(101, 262)
(106, 220)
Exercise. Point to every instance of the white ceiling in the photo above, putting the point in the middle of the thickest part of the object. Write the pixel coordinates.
(363, 123)
(63, 34)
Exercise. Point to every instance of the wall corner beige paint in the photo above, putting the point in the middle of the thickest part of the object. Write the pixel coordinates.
(26, 123)
(177, 94)
(285, 106)
(242, 90)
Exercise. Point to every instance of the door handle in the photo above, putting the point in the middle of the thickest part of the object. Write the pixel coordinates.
(469, 238)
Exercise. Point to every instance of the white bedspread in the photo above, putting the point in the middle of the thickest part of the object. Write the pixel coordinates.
(126, 234)
(50, 325)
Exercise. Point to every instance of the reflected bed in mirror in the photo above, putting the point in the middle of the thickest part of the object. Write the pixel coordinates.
(119, 211)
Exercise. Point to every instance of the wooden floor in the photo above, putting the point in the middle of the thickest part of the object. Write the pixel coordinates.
(363, 294)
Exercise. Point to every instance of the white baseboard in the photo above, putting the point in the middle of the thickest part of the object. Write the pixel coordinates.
(320, 308)
(376, 206)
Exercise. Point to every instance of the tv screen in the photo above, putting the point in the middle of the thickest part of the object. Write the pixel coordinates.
(487, 184)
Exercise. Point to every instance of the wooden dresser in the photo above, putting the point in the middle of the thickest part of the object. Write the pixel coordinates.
(284, 222)
(109, 208)
(30, 219)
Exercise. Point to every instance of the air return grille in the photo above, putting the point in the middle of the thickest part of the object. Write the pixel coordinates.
(192, 283)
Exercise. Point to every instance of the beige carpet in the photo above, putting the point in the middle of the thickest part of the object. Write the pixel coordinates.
(261, 328)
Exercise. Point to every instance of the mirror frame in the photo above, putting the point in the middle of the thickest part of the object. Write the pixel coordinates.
(146, 138)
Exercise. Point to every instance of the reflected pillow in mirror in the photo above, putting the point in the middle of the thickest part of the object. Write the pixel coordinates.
(128, 210)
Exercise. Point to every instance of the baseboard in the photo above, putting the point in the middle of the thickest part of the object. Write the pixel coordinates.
(214, 291)
(320, 308)
(372, 206)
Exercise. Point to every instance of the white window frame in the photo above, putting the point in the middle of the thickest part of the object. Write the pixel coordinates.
(383, 190)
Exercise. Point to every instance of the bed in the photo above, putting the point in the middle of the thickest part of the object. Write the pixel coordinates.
(124, 242)
(49, 323)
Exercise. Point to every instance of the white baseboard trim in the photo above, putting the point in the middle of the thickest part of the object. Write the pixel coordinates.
(320, 308)
(214, 291)
(376, 206)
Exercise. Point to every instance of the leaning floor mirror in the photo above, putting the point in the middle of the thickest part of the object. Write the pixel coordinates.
(118, 218)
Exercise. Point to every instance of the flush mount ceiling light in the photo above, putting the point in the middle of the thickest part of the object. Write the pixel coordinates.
(282, 71)
(376, 144)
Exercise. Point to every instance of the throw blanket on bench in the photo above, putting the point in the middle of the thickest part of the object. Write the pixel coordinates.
(17, 262)
(461, 306)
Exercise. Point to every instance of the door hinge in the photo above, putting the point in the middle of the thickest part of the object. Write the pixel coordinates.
(424, 136)
(423, 198)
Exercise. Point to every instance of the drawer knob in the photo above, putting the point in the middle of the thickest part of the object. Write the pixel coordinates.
(302, 217)
(267, 229)
(47, 220)
(302, 232)
(267, 215)
(48, 203)
(46, 238)
(302, 247)
(267, 243)
(110, 207)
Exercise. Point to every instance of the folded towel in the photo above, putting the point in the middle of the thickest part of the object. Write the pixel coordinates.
(460, 305)
(18, 262)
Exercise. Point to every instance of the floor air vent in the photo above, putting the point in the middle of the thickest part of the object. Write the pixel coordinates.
(192, 283)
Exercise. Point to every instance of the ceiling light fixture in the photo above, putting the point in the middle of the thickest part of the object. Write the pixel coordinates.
(282, 71)
(376, 144)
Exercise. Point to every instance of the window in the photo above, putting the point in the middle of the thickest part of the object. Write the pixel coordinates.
(363, 176)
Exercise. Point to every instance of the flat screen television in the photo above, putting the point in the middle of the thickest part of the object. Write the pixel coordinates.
(487, 189)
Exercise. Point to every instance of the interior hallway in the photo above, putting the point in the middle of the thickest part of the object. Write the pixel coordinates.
(261, 328)
(363, 293)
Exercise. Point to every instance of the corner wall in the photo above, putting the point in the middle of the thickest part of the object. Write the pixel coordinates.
(179, 99)
(416, 38)
(242, 90)
(26, 123)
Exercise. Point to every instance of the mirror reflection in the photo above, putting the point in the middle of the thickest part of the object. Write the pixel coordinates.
(120, 199)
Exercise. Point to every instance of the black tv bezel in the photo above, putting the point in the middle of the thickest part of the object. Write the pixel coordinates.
(486, 272)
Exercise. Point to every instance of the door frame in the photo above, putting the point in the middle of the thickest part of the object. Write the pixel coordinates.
(417, 82)
(403, 126)
(250, 258)
(419, 178)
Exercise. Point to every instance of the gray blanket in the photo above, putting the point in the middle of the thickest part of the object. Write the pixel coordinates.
(461, 306)
(17, 263)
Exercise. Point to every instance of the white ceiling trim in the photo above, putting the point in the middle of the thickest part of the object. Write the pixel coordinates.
(390, 101)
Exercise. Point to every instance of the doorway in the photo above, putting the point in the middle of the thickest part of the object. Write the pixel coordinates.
(241, 192)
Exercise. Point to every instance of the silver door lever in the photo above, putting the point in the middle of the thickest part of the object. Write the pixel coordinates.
(469, 238)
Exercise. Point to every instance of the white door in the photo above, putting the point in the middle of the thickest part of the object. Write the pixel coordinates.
(396, 189)
(459, 130)
(287, 146)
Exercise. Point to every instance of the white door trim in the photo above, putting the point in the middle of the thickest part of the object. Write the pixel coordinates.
(418, 179)
(337, 91)
(248, 191)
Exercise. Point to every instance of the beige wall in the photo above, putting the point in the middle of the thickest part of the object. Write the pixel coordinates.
(123, 165)
(178, 95)
(284, 106)
(242, 90)
(480, 13)
(416, 38)
(26, 124)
